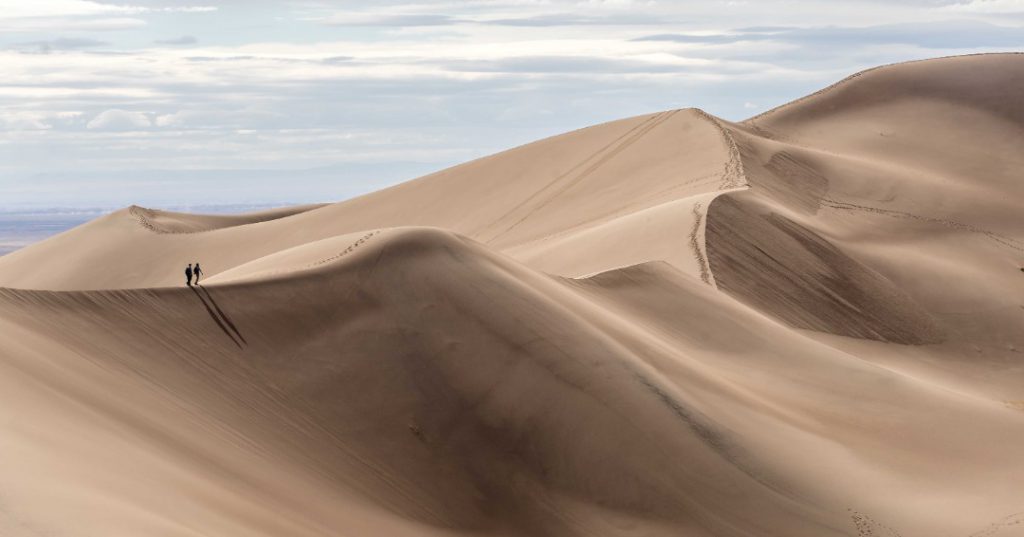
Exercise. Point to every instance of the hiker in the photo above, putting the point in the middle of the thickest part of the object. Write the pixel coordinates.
(197, 271)
(188, 275)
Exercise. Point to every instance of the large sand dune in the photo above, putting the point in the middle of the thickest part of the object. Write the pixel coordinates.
(809, 324)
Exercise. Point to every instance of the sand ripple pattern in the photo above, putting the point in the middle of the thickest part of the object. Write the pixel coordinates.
(1001, 239)
(581, 170)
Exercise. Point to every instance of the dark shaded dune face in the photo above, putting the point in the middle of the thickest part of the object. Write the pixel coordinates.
(796, 182)
(163, 222)
(787, 270)
(526, 400)
(785, 179)
(526, 413)
(869, 198)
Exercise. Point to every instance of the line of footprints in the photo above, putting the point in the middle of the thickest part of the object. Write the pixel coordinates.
(869, 527)
(348, 250)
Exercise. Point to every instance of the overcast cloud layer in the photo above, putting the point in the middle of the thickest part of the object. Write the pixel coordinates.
(248, 101)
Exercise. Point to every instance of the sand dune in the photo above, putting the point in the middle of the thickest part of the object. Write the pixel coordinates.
(555, 189)
(159, 221)
(805, 324)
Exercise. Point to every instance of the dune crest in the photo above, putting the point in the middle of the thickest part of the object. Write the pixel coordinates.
(159, 221)
(802, 324)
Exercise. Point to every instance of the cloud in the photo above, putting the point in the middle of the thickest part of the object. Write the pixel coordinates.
(573, 19)
(22, 121)
(184, 9)
(295, 83)
(72, 8)
(45, 47)
(569, 65)
(55, 8)
(169, 120)
(986, 6)
(119, 120)
(939, 35)
(409, 20)
(172, 5)
(708, 39)
(80, 15)
(69, 24)
(383, 19)
(37, 120)
(219, 58)
(183, 40)
(334, 60)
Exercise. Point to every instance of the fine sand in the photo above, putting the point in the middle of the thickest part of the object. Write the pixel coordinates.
(810, 323)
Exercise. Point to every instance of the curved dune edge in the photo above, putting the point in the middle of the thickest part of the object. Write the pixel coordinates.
(305, 257)
(753, 120)
(620, 234)
(731, 178)
(170, 222)
(733, 175)
(845, 182)
(734, 178)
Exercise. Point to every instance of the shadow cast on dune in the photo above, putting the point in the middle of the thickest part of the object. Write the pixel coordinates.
(221, 314)
(803, 324)
(218, 316)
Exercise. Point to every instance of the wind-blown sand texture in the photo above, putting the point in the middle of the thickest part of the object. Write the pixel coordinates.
(806, 324)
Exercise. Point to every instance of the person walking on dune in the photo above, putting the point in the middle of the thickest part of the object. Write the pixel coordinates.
(197, 271)
(188, 275)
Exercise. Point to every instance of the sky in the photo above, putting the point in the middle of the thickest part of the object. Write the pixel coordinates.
(206, 102)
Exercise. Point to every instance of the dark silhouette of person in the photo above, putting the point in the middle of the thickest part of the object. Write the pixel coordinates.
(188, 275)
(197, 271)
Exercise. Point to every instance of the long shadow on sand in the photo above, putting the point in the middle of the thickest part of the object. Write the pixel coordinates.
(219, 316)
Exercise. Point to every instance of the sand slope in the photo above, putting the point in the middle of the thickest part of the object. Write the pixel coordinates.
(806, 324)
(526, 198)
